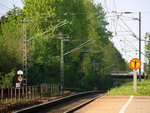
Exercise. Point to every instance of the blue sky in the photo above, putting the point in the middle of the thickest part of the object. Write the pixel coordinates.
(124, 44)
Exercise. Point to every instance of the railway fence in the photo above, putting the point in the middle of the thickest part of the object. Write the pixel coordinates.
(28, 92)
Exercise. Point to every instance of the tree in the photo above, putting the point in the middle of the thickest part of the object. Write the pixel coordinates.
(10, 45)
(148, 56)
(7, 80)
(87, 21)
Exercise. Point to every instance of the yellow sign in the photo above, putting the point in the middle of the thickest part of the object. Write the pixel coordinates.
(20, 78)
(135, 63)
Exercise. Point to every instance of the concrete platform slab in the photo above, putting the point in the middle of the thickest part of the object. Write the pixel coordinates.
(114, 104)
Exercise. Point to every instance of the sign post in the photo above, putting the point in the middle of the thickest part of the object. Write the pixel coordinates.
(20, 78)
(135, 64)
(135, 81)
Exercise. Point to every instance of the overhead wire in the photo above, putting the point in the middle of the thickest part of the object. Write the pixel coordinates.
(114, 22)
(132, 44)
(130, 31)
(134, 35)
(125, 27)
(116, 33)
(135, 49)
(4, 6)
(124, 44)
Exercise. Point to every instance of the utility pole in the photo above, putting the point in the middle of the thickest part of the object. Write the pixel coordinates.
(140, 43)
(25, 68)
(62, 61)
(63, 38)
(25, 41)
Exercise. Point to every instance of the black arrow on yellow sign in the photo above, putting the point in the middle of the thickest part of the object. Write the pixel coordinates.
(135, 62)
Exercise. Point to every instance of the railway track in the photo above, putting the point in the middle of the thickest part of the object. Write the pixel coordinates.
(64, 105)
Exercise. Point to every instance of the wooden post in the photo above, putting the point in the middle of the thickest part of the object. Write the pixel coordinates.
(36, 91)
(51, 90)
(23, 92)
(54, 89)
(19, 93)
(11, 94)
(41, 91)
(33, 88)
(8, 95)
(2, 94)
(135, 81)
(15, 94)
(29, 92)
(26, 92)
(57, 89)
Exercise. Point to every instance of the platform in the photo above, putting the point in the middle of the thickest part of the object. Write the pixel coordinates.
(118, 104)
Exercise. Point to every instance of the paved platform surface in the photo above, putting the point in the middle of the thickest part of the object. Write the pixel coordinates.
(118, 104)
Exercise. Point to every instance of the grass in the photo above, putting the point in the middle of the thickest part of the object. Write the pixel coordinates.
(127, 89)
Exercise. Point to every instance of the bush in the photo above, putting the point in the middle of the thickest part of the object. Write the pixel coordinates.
(6, 80)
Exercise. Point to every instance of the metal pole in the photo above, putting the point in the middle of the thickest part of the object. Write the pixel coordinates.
(140, 43)
(135, 81)
(94, 74)
(25, 66)
(25, 69)
(62, 62)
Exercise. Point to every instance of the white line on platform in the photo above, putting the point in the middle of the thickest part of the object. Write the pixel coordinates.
(124, 107)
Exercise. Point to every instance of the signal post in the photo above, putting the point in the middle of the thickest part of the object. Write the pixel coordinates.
(135, 64)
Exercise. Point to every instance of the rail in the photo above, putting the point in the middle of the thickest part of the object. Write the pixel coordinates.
(62, 102)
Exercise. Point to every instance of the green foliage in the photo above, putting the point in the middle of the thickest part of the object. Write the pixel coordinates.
(10, 41)
(10, 46)
(87, 21)
(113, 58)
(147, 66)
(7, 80)
(127, 89)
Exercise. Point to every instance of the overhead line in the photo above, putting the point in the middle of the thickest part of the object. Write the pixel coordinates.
(55, 27)
(121, 12)
(5, 6)
(124, 29)
(133, 34)
(90, 41)
(131, 44)
(138, 50)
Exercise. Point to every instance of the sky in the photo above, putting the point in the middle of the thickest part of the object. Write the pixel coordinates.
(122, 25)
(123, 40)
(6, 5)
